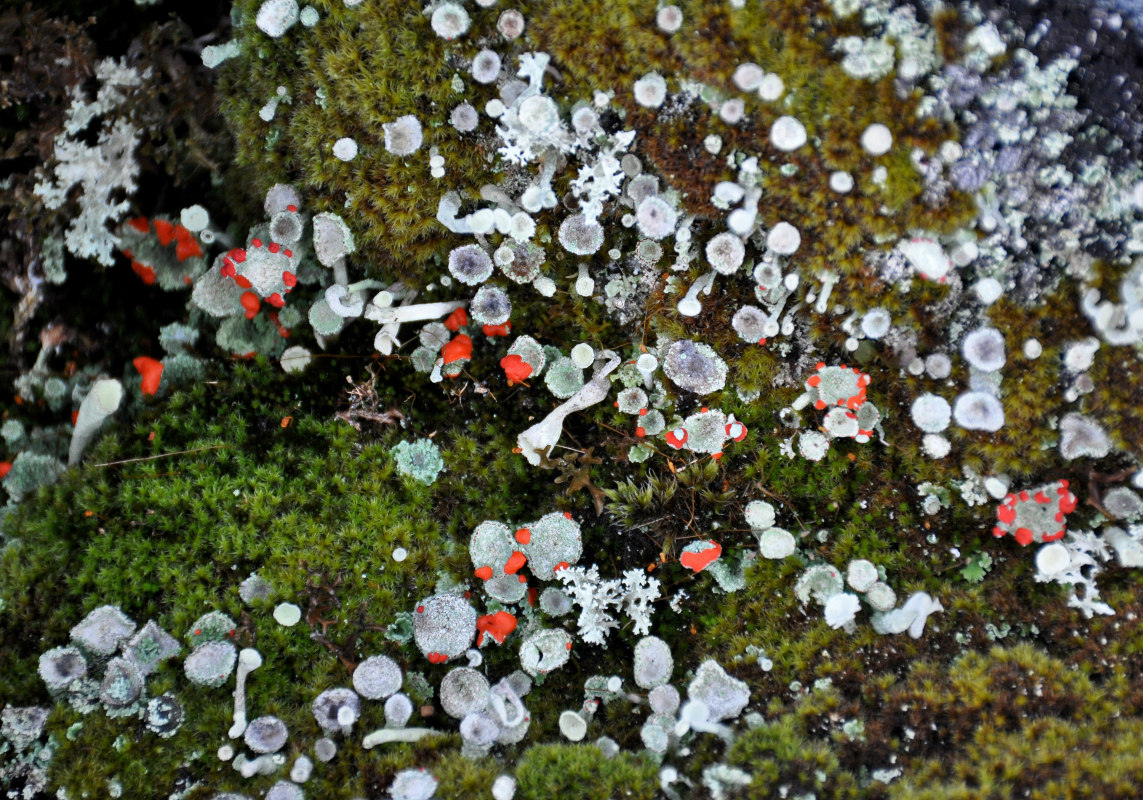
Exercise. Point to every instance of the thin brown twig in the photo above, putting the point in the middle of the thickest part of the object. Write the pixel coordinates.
(1095, 496)
(164, 455)
(758, 485)
(649, 524)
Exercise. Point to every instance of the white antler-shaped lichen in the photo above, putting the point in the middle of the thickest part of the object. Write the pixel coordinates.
(542, 437)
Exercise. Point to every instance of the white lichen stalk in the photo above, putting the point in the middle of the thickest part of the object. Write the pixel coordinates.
(539, 439)
(248, 661)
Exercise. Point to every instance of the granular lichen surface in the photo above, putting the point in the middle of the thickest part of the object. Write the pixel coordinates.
(732, 399)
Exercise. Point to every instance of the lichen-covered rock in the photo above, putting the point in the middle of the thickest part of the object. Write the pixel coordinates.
(491, 547)
(377, 677)
(150, 647)
(285, 790)
(563, 378)
(164, 716)
(545, 651)
(336, 709)
(333, 239)
(122, 684)
(463, 691)
(1082, 437)
(398, 710)
(61, 666)
(420, 460)
(553, 541)
(213, 626)
(653, 662)
(837, 386)
(978, 411)
(470, 264)
(444, 626)
(30, 471)
(266, 735)
(490, 306)
(694, 366)
(254, 589)
(101, 631)
(22, 726)
(211, 663)
(1035, 515)
(724, 696)
(413, 784)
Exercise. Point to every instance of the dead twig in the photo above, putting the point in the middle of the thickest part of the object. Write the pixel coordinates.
(164, 455)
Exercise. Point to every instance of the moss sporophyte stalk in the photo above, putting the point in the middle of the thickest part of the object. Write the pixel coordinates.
(571, 399)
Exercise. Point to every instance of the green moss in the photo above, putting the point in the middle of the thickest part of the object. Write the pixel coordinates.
(374, 63)
(780, 759)
(247, 471)
(1066, 762)
(168, 538)
(580, 772)
(989, 709)
(1003, 723)
(170, 516)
